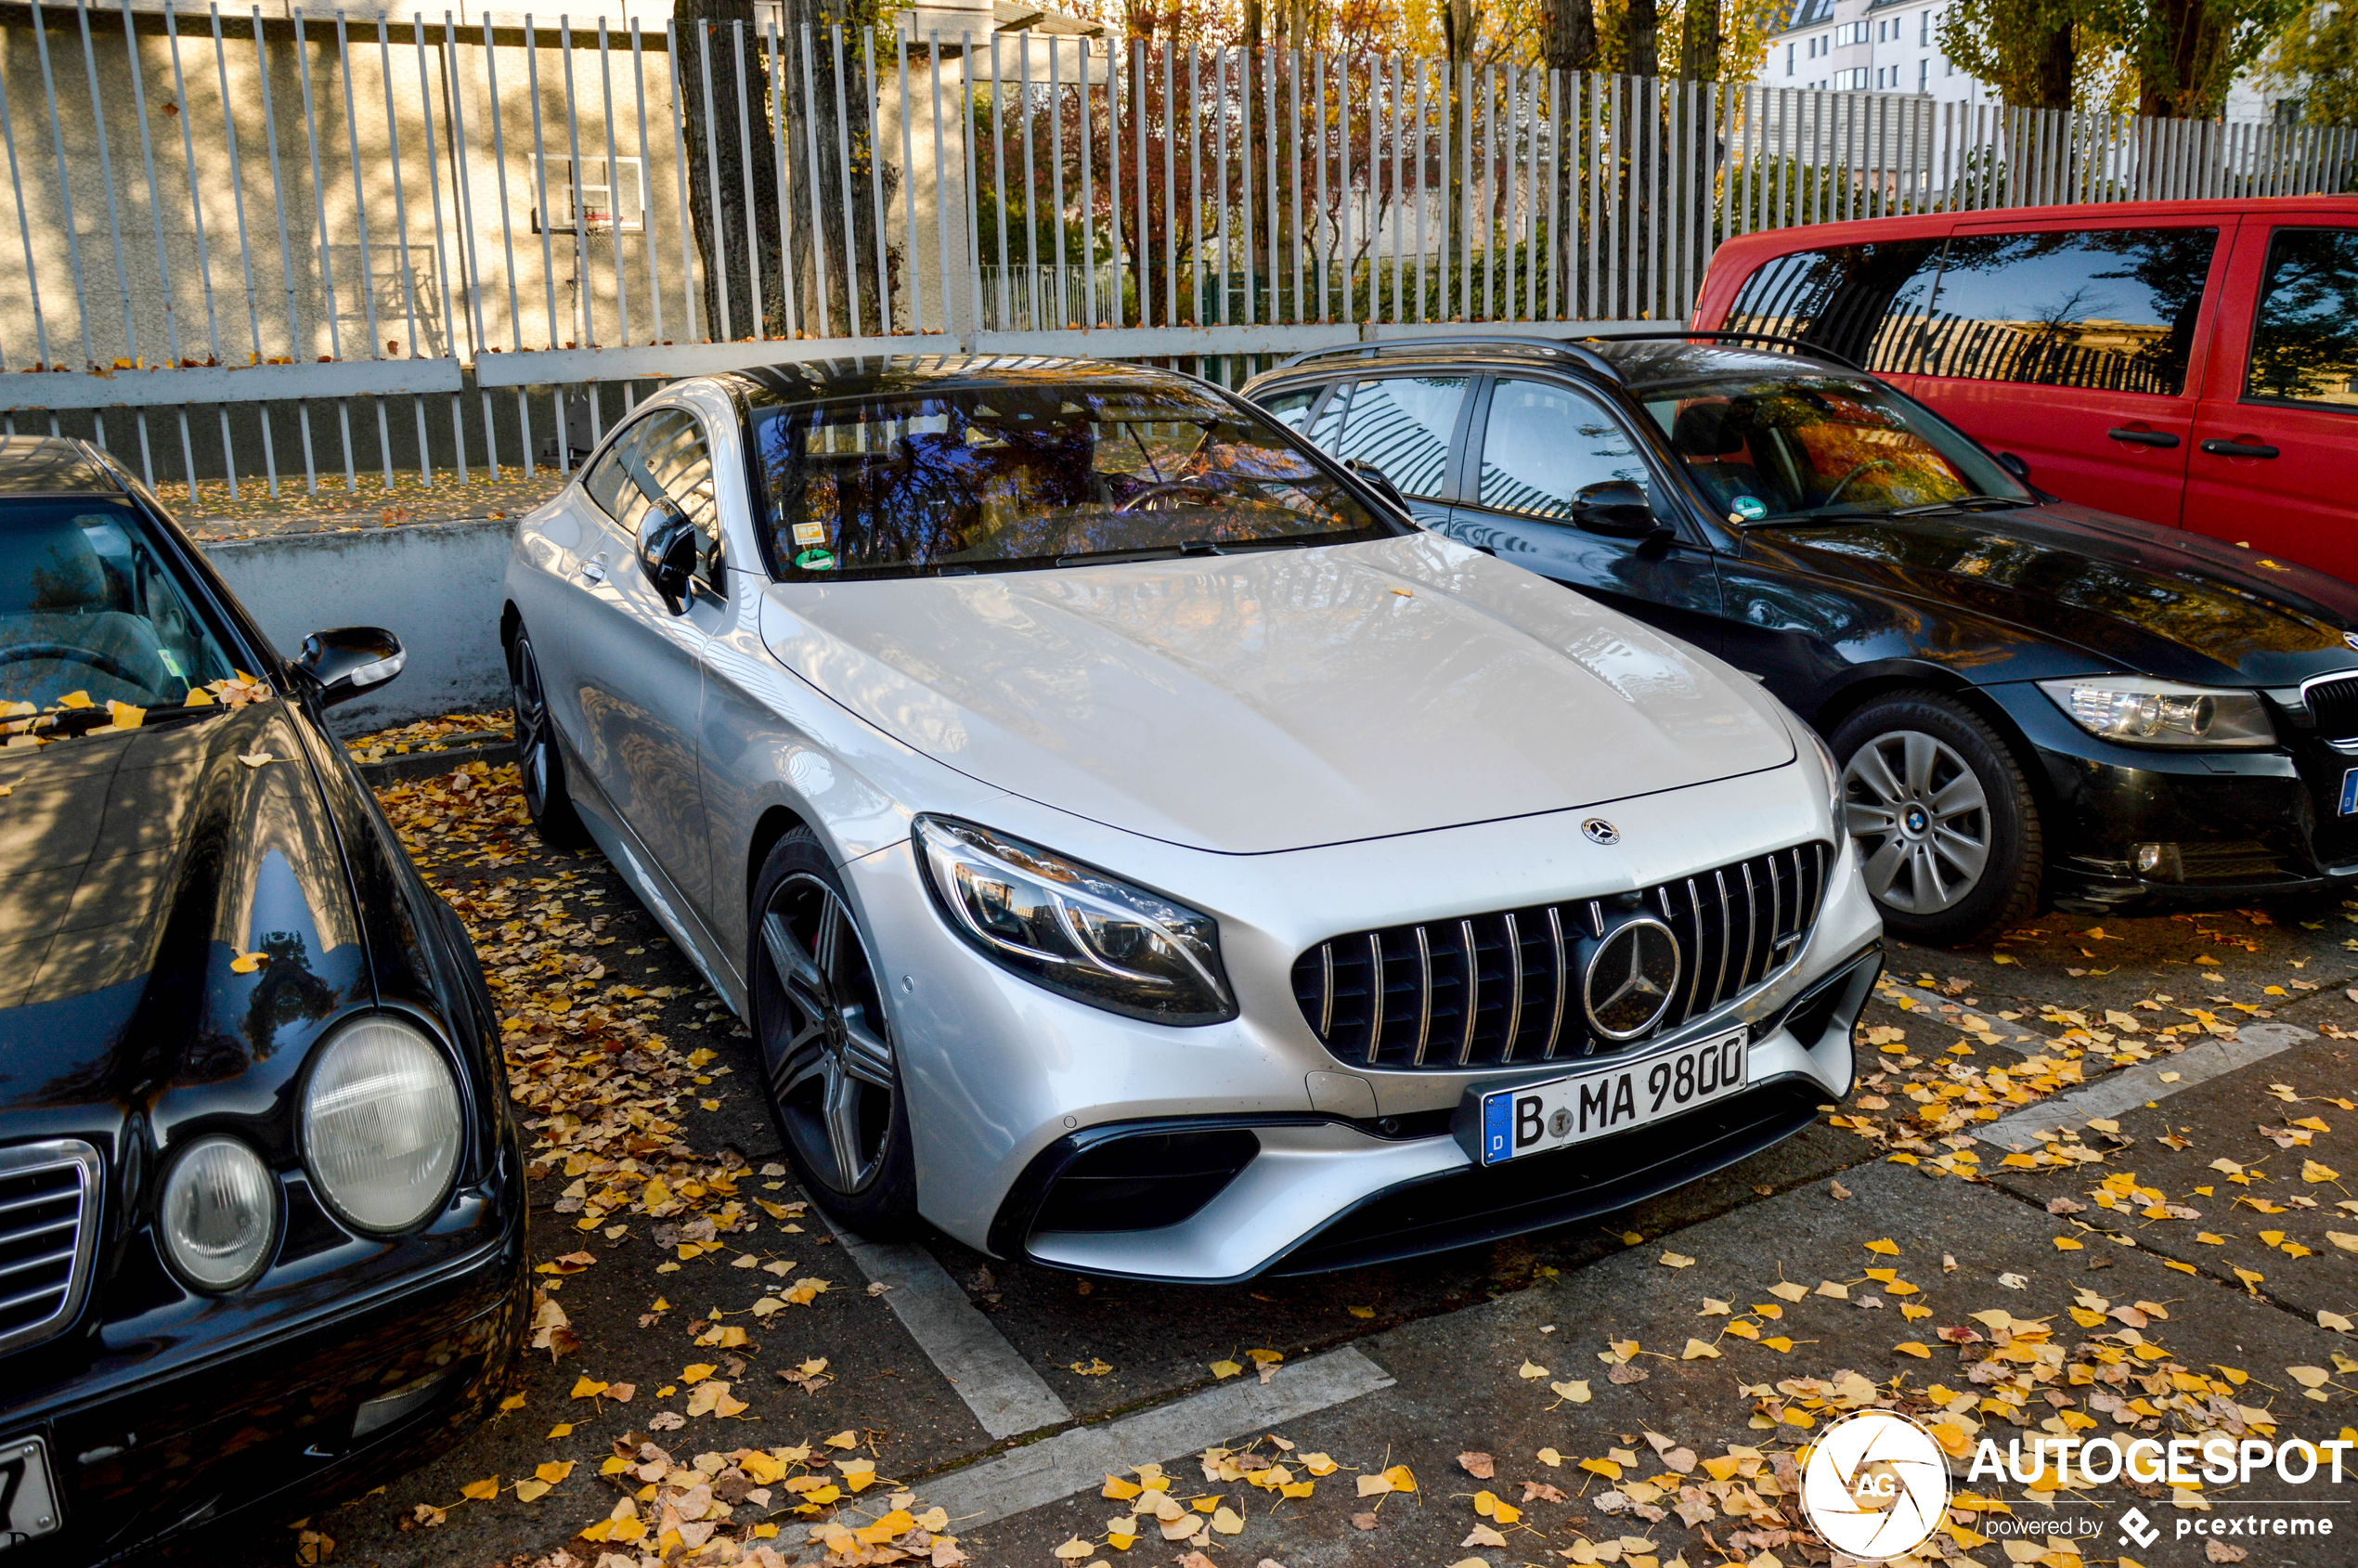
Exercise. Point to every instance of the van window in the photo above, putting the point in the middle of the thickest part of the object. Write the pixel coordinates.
(2304, 340)
(1402, 425)
(1863, 302)
(2109, 309)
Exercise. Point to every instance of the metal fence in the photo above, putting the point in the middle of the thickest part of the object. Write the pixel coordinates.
(254, 247)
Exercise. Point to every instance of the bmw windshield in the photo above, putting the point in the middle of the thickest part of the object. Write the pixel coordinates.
(1803, 448)
(1034, 473)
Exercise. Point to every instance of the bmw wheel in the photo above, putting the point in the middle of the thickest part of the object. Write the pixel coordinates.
(537, 760)
(1948, 831)
(828, 1045)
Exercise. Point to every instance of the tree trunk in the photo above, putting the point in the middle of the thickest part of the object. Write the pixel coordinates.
(835, 256)
(2180, 62)
(1699, 42)
(1641, 38)
(733, 200)
(2053, 79)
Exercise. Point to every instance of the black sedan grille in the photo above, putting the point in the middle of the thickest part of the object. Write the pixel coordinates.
(2335, 705)
(1502, 988)
(48, 1213)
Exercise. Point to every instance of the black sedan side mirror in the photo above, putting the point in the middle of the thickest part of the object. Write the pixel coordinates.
(1616, 509)
(667, 544)
(1375, 478)
(349, 660)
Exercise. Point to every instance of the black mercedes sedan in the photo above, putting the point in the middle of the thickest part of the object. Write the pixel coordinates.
(262, 1205)
(2027, 698)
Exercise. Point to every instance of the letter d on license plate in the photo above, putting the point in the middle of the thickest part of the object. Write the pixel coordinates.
(1549, 1115)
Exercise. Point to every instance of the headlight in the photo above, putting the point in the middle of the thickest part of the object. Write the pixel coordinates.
(220, 1212)
(2146, 712)
(381, 1124)
(1074, 929)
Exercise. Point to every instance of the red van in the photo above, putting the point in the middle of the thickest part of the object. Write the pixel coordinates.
(2194, 364)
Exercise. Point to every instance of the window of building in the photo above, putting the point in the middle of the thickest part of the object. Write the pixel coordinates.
(1923, 33)
(1924, 75)
(1789, 58)
(2110, 309)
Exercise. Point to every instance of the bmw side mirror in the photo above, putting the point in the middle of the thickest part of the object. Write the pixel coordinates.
(667, 552)
(344, 663)
(1375, 478)
(1616, 509)
(2014, 466)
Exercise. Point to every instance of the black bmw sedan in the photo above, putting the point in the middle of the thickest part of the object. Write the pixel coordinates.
(2027, 698)
(261, 1203)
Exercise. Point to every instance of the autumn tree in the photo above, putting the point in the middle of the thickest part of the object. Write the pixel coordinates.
(2317, 55)
(2187, 54)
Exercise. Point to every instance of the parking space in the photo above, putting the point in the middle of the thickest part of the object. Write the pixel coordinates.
(1621, 1391)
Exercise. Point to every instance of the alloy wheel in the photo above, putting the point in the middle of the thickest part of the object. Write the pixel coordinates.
(830, 1054)
(534, 742)
(1920, 819)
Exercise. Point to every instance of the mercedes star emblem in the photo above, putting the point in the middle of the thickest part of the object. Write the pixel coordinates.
(1602, 831)
(1631, 977)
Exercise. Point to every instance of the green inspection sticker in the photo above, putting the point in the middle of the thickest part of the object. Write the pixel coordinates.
(1749, 508)
(815, 560)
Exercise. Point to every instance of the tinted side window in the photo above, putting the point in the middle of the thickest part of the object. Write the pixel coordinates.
(675, 464)
(608, 478)
(1292, 409)
(1403, 426)
(1865, 303)
(2113, 309)
(2304, 341)
(1545, 443)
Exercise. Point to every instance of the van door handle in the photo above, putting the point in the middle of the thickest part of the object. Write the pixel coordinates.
(2238, 450)
(2141, 437)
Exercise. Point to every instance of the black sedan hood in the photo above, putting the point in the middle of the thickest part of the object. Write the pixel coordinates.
(139, 872)
(2132, 596)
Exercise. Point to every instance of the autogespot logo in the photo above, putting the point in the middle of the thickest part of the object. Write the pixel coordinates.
(1876, 1485)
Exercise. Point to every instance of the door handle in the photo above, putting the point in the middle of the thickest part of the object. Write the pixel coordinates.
(2239, 449)
(2143, 437)
(592, 572)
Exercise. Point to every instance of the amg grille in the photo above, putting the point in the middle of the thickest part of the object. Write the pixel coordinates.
(48, 1220)
(1503, 989)
(2335, 704)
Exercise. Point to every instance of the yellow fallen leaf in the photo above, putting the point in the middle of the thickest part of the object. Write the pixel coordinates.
(1225, 1368)
(563, 1429)
(127, 717)
(1361, 1311)
(1605, 1467)
(2309, 1376)
(1319, 1464)
(2066, 1244)
(1402, 1479)
(845, 1439)
(484, 1491)
(531, 1491)
(255, 758)
(1574, 1390)
(1676, 1260)
(1226, 1520)
(589, 1388)
(1531, 1370)
(1785, 1289)
(696, 1373)
(1373, 1485)
(1912, 1348)
(247, 963)
(1698, 1351)
(1074, 1550)
(75, 699)
(1888, 1247)
(553, 1472)
(2313, 1172)
(1119, 1488)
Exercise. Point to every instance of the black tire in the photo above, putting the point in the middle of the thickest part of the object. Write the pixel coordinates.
(1948, 831)
(827, 1045)
(538, 759)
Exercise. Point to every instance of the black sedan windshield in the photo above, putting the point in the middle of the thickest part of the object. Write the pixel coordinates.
(1772, 447)
(1034, 475)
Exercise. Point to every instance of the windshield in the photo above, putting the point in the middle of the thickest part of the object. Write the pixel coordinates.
(1010, 478)
(91, 614)
(1766, 447)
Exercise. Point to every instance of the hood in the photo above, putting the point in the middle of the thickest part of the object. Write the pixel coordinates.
(2136, 597)
(1276, 700)
(135, 870)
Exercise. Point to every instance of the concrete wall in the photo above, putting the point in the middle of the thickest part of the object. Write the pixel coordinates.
(434, 586)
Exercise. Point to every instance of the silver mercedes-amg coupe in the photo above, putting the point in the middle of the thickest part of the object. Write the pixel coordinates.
(1136, 847)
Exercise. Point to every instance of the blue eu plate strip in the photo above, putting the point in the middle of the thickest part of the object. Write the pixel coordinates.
(1499, 1117)
(2350, 791)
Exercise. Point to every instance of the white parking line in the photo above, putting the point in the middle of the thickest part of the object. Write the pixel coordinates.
(1079, 1460)
(998, 1385)
(2133, 1086)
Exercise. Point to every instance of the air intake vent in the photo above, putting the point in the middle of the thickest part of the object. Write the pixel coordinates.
(48, 1222)
(2335, 704)
(1505, 988)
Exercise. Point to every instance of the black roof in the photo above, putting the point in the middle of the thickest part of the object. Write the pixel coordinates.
(1643, 363)
(50, 465)
(885, 375)
(1634, 361)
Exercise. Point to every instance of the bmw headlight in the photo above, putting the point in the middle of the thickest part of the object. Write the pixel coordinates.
(220, 1212)
(1073, 928)
(2147, 712)
(382, 1124)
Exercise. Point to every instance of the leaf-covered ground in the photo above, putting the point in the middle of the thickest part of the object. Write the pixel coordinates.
(212, 513)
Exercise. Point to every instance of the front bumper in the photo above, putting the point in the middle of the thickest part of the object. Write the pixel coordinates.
(153, 1440)
(1007, 1083)
(2144, 824)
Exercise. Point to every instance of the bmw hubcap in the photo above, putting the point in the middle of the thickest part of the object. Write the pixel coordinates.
(825, 1040)
(532, 727)
(1920, 818)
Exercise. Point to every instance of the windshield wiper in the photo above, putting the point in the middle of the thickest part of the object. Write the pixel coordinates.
(1962, 503)
(1149, 553)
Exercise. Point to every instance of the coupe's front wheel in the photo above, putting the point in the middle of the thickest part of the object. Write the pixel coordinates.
(1948, 832)
(538, 762)
(828, 1045)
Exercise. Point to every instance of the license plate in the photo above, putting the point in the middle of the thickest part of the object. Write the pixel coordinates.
(28, 1501)
(1538, 1117)
(2350, 791)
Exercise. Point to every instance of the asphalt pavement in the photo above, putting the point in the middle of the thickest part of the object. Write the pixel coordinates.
(2038, 1215)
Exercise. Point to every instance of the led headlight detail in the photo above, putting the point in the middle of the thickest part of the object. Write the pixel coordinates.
(219, 1213)
(1074, 929)
(382, 1124)
(2147, 712)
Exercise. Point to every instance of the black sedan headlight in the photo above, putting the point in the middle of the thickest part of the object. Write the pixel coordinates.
(2142, 711)
(382, 1123)
(219, 1213)
(1074, 929)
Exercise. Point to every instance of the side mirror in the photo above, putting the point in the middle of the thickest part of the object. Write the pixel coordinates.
(349, 660)
(2014, 466)
(1375, 478)
(667, 544)
(1616, 509)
